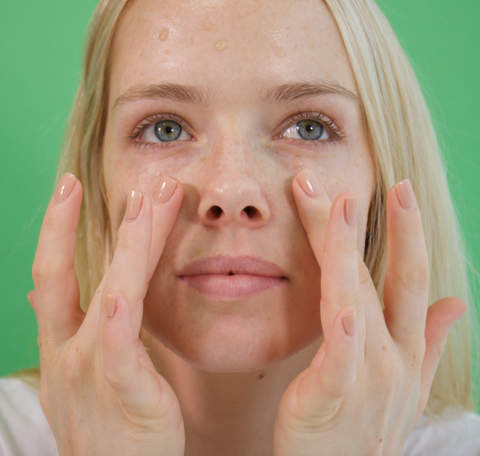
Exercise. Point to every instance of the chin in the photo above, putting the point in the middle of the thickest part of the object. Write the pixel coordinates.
(239, 336)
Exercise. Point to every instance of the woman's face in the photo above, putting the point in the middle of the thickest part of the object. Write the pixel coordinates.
(244, 95)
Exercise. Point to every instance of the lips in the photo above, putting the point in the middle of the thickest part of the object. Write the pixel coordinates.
(230, 278)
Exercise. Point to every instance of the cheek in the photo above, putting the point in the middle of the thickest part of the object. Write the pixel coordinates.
(121, 178)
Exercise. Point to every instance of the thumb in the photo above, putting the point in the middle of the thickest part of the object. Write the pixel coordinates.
(138, 387)
(323, 388)
(441, 316)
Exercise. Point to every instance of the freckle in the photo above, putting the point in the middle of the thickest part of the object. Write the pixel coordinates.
(221, 45)
(168, 51)
(261, 376)
(163, 35)
(381, 440)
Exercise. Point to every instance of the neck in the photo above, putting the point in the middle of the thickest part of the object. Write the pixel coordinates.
(227, 413)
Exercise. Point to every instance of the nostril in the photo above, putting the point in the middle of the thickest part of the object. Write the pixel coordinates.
(250, 211)
(216, 211)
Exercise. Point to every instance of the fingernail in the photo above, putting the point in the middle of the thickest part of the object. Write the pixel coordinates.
(351, 209)
(405, 195)
(65, 187)
(164, 190)
(134, 205)
(310, 184)
(350, 323)
(111, 306)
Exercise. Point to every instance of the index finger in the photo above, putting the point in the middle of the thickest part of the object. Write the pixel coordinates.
(314, 212)
(56, 286)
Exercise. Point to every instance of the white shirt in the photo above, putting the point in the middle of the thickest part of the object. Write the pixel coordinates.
(24, 430)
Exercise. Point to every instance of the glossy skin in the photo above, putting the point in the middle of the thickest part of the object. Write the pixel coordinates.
(233, 364)
(236, 160)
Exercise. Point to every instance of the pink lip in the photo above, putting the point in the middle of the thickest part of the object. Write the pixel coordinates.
(230, 278)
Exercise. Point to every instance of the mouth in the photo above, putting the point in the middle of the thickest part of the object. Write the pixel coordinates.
(232, 278)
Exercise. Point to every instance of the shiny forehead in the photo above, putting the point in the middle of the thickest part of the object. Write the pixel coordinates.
(279, 41)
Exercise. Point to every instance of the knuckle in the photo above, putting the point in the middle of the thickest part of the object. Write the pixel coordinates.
(363, 274)
(354, 299)
(419, 275)
(125, 243)
(347, 248)
(120, 377)
(41, 272)
(338, 386)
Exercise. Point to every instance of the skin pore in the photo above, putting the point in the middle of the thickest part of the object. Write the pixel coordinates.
(249, 71)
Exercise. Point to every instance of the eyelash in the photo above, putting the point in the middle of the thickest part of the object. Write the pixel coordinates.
(333, 130)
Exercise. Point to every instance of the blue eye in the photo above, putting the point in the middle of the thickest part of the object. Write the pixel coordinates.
(165, 131)
(309, 130)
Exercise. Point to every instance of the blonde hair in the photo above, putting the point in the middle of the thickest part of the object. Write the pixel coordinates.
(403, 144)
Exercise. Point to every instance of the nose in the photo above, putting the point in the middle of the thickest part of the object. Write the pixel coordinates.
(233, 196)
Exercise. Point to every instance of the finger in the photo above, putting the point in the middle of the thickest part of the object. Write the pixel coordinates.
(407, 279)
(167, 198)
(322, 390)
(43, 381)
(127, 274)
(441, 316)
(313, 207)
(340, 281)
(57, 294)
(139, 389)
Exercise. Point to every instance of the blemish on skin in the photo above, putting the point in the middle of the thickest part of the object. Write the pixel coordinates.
(221, 45)
(261, 376)
(279, 52)
(383, 348)
(381, 440)
(299, 164)
(163, 35)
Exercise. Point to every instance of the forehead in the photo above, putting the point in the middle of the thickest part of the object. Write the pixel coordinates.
(228, 46)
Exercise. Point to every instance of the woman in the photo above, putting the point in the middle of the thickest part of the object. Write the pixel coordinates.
(246, 168)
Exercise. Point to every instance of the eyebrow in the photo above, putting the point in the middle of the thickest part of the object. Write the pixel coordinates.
(285, 93)
(175, 92)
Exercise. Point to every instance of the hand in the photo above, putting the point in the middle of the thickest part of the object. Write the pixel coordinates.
(363, 393)
(99, 389)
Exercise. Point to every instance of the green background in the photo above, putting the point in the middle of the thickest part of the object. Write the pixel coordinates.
(41, 46)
